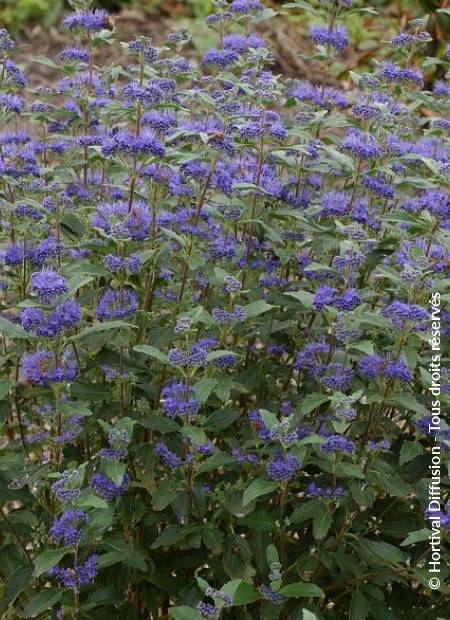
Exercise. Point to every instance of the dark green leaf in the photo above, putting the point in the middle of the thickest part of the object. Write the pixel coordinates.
(42, 601)
(45, 560)
(258, 487)
(302, 590)
(184, 613)
(152, 352)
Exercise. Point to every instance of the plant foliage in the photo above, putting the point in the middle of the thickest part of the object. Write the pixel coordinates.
(217, 290)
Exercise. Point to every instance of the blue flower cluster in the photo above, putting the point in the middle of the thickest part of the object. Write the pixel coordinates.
(217, 289)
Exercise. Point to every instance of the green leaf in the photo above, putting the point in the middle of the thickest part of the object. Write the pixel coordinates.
(114, 470)
(43, 60)
(5, 386)
(241, 592)
(302, 590)
(366, 346)
(165, 493)
(103, 327)
(222, 419)
(159, 423)
(204, 388)
(269, 418)
(382, 550)
(213, 539)
(259, 520)
(359, 608)
(128, 555)
(47, 559)
(146, 349)
(308, 615)
(78, 281)
(321, 524)
(215, 355)
(184, 613)
(171, 535)
(304, 297)
(312, 401)
(409, 451)
(91, 501)
(307, 511)
(216, 460)
(415, 537)
(272, 555)
(17, 582)
(393, 485)
(71, 224)
(12, 330)
(257, 488)
(349, 470)
(407, 401)
(42, 601)
(91, 391)
(256, 308)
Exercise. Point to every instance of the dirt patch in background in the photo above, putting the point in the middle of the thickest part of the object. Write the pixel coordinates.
(285, 41)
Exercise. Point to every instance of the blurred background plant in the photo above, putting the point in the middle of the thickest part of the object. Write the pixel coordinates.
(16, 14)
(35, 24)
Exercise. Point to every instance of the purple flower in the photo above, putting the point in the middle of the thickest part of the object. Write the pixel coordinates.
(13, 255)
(436, 202)
(169, 458)
(74, 54)
(406, 315)
(131, 264)
(282, 467)
(322, 98)
(324, 492)
(125, 142)
(335, 376)
(308, 358)
(336, 38)
(373, 366)
(207, 610)
(348, 301)
(382, 446)
(14, 74)
(379, 186)
(270, 595)
(42, 369)
(242, 44)
(334, 203)
(221, 58)
(179, 400)
(91, 21)
(79, 575)
(67, 488)
(394, 74)
(13, 103)
(6, 43)
(47, 285)
(324, 296)
(403, 39)
(65, 316)
(242, 7)
(117, 220)
(160, 120)
(66, 529)
(338, 443)
(361, 145)
(116, 304)
(106, 488)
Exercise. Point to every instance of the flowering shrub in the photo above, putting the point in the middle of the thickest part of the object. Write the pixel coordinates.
(215, 328)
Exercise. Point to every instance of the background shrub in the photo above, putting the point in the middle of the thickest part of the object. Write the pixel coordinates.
(216, 289)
